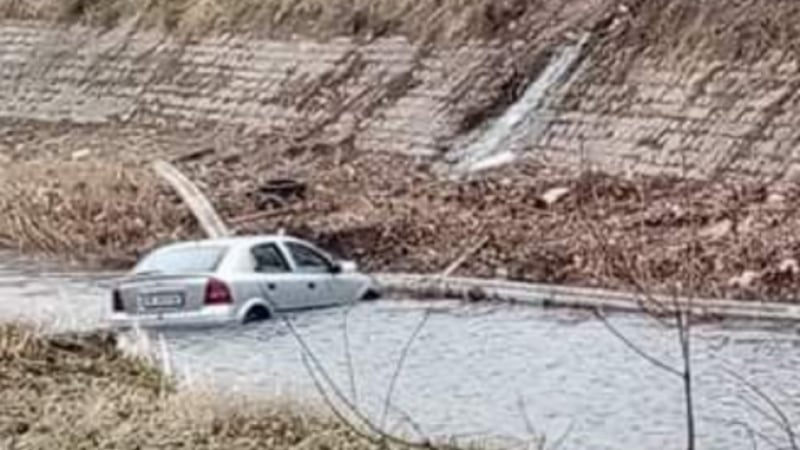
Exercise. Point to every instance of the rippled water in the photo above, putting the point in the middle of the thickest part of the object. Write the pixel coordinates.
(481, 371)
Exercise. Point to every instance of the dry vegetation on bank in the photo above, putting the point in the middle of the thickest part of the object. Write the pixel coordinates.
(666, 29)
(734, 31)
(82, 393)
(102, 212)
(393, 214)
(444, 22)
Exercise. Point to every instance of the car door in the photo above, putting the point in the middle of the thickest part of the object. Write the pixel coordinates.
(276, 279)
(316, 272)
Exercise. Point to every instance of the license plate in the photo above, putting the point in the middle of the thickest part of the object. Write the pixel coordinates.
(162, 300)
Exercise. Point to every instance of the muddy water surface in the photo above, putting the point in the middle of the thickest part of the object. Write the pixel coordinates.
(476, 371)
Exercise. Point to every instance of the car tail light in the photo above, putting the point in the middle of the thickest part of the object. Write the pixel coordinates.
(116, 301)
(217, 293)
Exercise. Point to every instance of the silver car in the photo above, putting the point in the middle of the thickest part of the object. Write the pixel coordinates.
(233, 280)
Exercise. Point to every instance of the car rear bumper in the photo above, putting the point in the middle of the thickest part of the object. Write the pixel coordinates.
(209, 316)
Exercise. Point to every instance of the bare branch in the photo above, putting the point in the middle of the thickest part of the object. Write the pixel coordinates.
(329, 402)
(563, 438)
(400, 363)
(378, 435)
(753, 433)
(523, 410)
(651, 359)
(783, 420)
(410, 421)
(307, 352)
(684, 331)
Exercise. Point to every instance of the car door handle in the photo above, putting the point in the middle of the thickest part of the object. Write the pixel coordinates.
(312, 285)
(271, 286)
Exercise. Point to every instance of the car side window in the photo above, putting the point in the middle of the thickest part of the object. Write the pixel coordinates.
(307, 259)
(269, 259)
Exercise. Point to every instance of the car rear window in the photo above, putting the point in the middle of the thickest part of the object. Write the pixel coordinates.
(183, 260)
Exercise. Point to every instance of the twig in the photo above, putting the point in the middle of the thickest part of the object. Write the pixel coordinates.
(326, 377)
(684, 331)
(529, 427)
(400, 363)
(783, 420)
(192, 155)
(379, 435)
(560, 441)
(463, 258)
(271, 214)
(327, 399)
(410, 421)
(653, 360)
(752, 434)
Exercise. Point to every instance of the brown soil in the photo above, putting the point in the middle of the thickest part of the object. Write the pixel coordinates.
(80, 392)
(392, 214)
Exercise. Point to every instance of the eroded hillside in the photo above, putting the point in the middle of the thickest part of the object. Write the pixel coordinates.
(667, 147)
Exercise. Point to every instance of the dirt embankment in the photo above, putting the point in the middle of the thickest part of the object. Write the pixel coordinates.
(81, 392)
(393, 214)
(529, 222)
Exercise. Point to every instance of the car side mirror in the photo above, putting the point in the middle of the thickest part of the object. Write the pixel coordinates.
(343, 266)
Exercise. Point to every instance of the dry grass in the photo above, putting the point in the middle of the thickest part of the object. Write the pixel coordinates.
(109, 211)
(82, 393)
(729, 30)
(681, 33)
(442, 21)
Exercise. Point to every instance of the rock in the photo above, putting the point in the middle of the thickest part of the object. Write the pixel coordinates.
(746, 226)
(776, 198)
(792, 174)
(745, 280)
(717, 230)
(789, 265)
(553, 195)
(501, 273)
(81, 154)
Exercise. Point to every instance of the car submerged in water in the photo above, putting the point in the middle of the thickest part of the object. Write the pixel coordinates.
(233, 280)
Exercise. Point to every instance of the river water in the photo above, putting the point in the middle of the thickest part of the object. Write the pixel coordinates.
(475, 371)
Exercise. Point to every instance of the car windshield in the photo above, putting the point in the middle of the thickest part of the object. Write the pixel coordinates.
(182, 260)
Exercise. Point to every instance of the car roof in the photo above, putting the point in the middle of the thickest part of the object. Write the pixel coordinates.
(235, 241)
